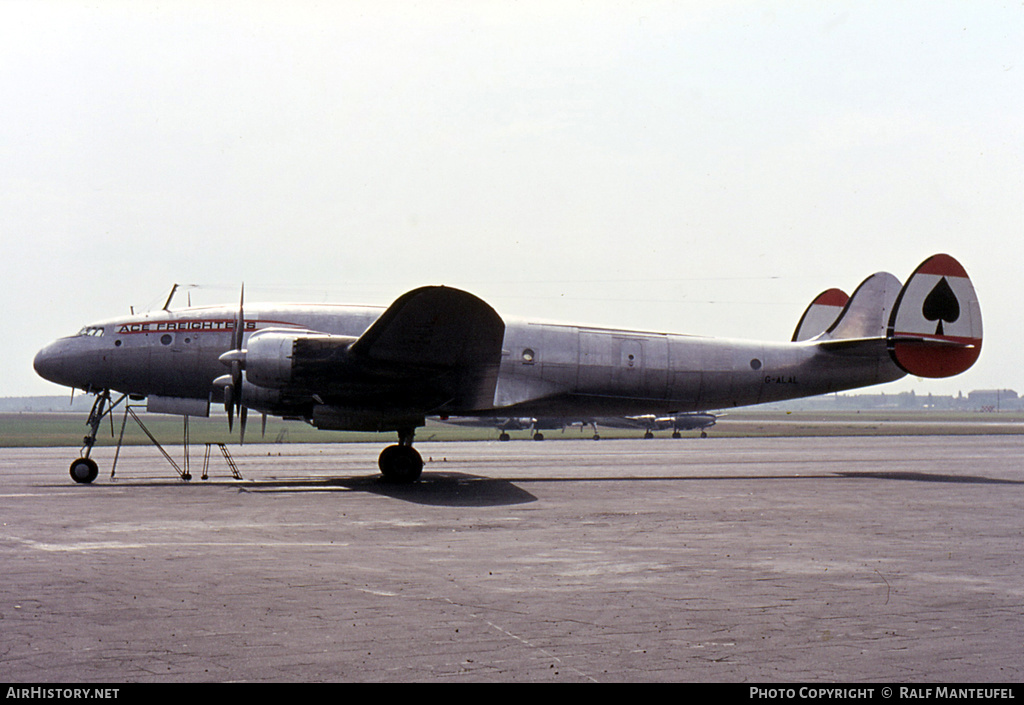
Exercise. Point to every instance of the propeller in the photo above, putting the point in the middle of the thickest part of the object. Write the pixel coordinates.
(232, 382)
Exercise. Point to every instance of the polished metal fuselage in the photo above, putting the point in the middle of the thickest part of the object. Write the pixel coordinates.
(546, 369)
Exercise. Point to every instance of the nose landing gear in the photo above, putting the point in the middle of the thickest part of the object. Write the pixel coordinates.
(84, 470)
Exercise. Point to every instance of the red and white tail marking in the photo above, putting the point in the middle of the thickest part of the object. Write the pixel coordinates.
(935, 327)
(821, 314)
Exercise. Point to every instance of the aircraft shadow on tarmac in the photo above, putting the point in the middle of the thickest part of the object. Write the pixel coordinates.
(929, 477)
(456, 489)
(449, 489)
(464, 490)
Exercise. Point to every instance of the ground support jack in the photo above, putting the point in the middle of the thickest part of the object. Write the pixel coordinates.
(227, 457)
(184, 474)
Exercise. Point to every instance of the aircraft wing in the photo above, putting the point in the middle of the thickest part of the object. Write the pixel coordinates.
(434, 325)
(439, 343)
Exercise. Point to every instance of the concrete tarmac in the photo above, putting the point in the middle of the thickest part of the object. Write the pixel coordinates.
(853, 560)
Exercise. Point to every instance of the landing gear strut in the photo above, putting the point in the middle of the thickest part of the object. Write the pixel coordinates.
(84, 470)
(401, 463)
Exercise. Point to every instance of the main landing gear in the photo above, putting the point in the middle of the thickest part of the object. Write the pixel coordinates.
(401, 463)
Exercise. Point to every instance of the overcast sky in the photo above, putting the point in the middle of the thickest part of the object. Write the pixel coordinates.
(693, 167)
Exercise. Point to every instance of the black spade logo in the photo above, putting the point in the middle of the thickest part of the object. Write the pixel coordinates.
(941, 305)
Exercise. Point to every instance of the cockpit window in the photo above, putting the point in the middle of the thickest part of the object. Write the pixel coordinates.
(95, 331)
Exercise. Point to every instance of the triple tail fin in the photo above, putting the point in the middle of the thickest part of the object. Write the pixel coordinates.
(931, 326)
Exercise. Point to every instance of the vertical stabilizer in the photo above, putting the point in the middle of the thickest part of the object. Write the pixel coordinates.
(867, 312)
(820, 315)
(935, 326)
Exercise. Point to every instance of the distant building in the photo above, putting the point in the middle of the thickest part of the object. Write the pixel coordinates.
(986, 400)
(994, 400)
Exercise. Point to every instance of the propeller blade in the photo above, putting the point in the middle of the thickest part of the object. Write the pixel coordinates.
(229, 406)
(235, 360)
(236, 379)
(242, 415)
(240, 321)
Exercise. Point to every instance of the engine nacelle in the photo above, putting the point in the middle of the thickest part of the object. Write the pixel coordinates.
(268, 359)
(260, 398)
(276, 359)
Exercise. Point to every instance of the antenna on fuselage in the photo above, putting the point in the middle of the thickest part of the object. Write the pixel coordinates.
(167, 304)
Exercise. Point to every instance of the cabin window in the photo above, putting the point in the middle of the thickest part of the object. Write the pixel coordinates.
(166, 339)
(529, 356)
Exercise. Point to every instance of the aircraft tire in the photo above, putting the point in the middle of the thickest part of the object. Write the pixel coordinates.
(84, 470)
(400, 464)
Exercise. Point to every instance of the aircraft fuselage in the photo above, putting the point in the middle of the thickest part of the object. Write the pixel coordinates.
(546, 369)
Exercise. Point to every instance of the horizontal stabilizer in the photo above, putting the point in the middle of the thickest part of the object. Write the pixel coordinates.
(935, 327)
(821, 314)
(866, 348)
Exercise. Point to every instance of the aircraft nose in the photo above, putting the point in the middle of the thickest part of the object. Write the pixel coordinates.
(49, 363)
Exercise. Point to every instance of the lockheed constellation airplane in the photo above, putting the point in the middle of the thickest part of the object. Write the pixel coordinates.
(439, 351)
